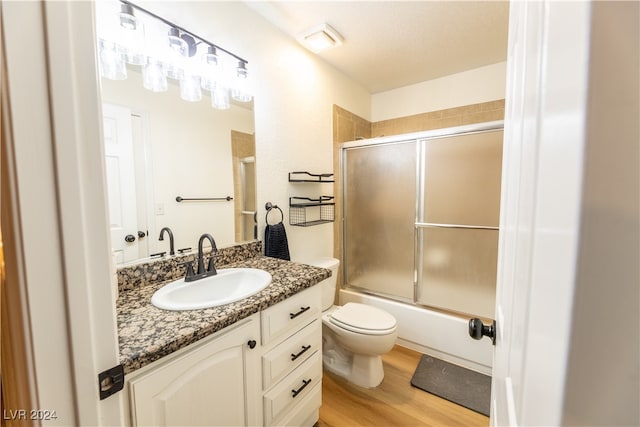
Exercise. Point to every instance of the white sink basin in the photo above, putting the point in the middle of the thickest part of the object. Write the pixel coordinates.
(229, 285)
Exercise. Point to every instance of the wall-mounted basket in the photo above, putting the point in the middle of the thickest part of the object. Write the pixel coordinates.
(302, 212)
(310, 177)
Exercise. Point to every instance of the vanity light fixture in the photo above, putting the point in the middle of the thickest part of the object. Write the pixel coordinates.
(163, 49)
(320, 37)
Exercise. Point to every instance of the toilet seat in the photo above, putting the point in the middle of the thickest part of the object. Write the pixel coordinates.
(363, 319)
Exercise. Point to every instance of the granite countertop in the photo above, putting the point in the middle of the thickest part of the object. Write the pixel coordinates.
(147, 333)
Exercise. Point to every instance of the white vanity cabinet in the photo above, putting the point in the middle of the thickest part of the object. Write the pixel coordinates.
(292, 360)
(263, 370)
(215, 382)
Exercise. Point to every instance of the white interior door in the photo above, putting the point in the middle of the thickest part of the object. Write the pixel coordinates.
(540, 208)
(121, 189)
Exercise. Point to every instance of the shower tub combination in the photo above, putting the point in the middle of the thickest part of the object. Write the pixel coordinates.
(420, 234)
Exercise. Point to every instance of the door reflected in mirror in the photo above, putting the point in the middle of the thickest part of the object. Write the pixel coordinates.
(159, 147)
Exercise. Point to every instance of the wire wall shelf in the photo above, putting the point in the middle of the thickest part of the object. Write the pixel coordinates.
(305, 176)
(303, 212)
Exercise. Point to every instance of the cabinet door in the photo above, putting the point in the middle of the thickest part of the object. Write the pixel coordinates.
(205, 386)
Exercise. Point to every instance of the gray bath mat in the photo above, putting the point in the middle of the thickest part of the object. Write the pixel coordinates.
(459, 385)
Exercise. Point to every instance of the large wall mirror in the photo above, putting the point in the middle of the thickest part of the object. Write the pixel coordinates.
(159, 148)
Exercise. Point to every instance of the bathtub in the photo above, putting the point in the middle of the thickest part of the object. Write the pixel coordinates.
(430, 332)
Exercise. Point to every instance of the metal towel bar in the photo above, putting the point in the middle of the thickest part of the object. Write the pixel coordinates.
(203, 199)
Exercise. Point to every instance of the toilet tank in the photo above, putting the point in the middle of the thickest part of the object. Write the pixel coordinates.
(328, 285)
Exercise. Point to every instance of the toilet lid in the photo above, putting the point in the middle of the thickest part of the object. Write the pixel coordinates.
(363, 319)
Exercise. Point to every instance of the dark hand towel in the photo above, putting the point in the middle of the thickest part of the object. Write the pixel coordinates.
(275, 242)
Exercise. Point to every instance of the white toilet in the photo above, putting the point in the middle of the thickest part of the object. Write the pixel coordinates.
(355, 335)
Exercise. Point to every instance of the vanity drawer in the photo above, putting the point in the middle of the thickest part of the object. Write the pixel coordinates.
(304, 413)
(293, 388)
(291, 353)
(288, 316)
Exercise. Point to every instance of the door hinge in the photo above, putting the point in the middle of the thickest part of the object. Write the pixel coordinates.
(110, 381)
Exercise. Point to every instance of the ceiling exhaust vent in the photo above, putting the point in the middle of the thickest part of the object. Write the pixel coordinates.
(320, 37)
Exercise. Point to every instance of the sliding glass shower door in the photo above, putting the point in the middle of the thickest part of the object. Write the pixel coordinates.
(380, 209)
(457, 227)
(421, 219)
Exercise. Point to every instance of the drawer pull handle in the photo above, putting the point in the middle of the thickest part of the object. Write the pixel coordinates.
(302, 310)
(305, 383)
(304, 348)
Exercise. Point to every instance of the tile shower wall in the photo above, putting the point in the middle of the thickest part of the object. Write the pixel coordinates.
(349, 127)
(465, 115)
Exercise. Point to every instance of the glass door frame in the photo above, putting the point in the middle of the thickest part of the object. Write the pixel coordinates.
(421, 139)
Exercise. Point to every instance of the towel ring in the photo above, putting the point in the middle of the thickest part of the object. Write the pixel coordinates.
(269, 206)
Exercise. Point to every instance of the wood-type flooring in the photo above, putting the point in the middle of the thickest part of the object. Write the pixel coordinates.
(394, 403)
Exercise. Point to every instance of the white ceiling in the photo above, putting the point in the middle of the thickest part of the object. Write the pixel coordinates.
(390, 44)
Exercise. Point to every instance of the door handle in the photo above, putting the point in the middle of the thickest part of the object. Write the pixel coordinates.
(129, 238)
(142, 234)
(477, 330)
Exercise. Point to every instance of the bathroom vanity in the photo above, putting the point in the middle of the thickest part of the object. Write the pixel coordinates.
(257, 361)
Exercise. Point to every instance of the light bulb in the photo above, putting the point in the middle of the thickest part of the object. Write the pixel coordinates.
(211, 69)
(112, 65)
(153, 77)
(190, 88)
(175, 55)
(133, 45)
(240, 91)
(220, 97)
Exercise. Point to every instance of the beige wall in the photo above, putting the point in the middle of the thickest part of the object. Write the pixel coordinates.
(442, 93)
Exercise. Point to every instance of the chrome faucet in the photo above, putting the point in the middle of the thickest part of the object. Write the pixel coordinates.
(201, 273)
(168, 230)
